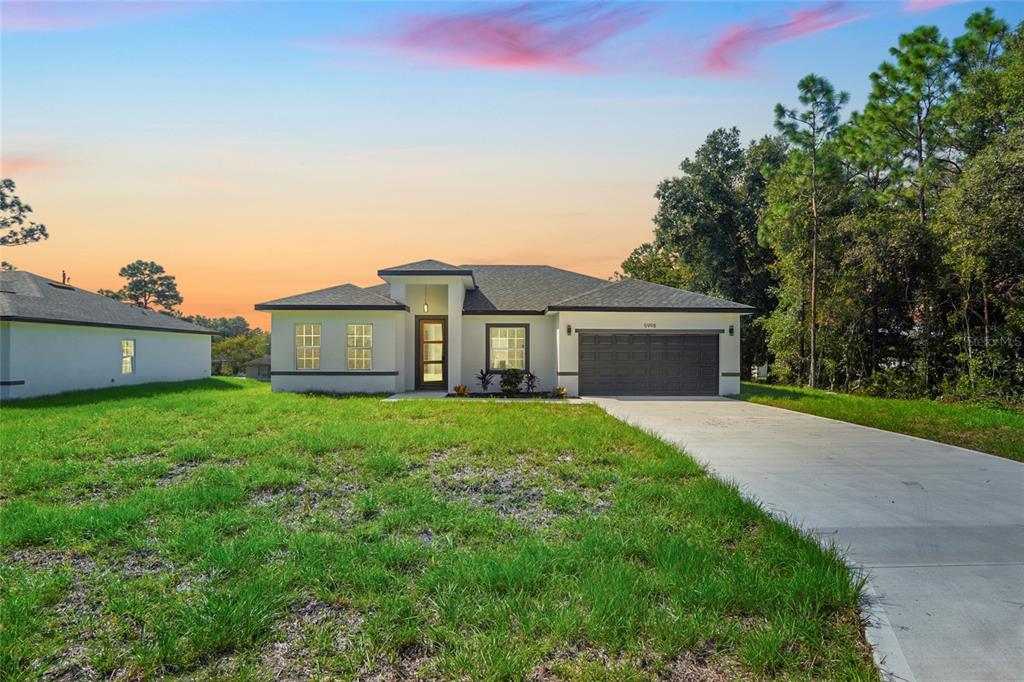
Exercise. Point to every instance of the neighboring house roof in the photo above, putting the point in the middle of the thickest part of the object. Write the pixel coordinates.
(263, 360)
(638, 295)
(519, 289)
(342, 297)
(523, 288)
(426, 267)
(25, 297)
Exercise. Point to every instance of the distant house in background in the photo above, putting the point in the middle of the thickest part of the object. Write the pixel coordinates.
(55, 338)
(258, 368)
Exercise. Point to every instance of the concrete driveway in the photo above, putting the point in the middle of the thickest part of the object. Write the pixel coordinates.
(938, 529)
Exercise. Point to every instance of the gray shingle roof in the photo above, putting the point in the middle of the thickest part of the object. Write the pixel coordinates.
(523, 288)
(30, 298)
(341, 297)
(425, 267)
(635, 294)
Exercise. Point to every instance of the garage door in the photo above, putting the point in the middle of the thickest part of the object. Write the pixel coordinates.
(648, 364)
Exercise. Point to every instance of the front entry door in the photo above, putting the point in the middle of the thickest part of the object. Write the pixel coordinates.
(431, 352)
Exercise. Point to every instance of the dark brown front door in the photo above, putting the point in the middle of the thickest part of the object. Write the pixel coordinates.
(431, 352)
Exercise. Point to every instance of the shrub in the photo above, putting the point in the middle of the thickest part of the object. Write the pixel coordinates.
(511, 379)
(462, 390)
(559, 392)
(530, 379)
(485, 378)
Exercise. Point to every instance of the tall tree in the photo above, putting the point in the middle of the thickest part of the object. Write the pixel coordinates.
(808, 131)
(16, 228)
(148, 286)
(705, 230)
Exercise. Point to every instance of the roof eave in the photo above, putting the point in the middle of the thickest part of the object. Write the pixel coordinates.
(320, 306)
(106, 325)
(502, 312)
(746, 310)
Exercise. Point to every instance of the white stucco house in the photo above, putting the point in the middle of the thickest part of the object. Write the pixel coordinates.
(55, 338)
(433, 326)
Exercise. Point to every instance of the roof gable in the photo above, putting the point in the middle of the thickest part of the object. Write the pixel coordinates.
(636, 294)
(425, 267)
(341, 297)
(27, 297)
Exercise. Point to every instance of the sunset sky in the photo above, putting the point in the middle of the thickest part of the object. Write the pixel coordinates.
(260, 149)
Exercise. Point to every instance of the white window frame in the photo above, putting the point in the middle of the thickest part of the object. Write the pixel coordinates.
(307, 346)
(359, 356)
(127, 359)
(491, 346)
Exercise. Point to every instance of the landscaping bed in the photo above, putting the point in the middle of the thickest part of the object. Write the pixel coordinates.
(216, 529)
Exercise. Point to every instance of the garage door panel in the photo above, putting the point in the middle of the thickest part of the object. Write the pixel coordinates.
(648, 364)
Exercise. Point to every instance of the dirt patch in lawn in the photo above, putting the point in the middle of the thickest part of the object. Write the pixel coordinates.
(289, 656)
(688, 666)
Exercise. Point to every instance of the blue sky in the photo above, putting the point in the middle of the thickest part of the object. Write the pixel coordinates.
(208, 136)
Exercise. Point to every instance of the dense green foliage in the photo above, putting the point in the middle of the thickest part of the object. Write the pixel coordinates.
(991, 429)
(147, 286)
(216, 530)
(224, 326)
(231, 353)
(889, 256)
(16, 228)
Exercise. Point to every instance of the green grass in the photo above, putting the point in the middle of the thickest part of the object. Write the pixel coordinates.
(988, 429)
(217, 530)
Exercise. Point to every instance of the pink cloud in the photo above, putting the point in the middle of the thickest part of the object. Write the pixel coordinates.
(12, 165)
(530, 37)
(37, 16)
(927, 5)
(734, 46)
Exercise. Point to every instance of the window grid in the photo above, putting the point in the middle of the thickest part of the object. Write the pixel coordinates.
(507, 348)
(307, 345)
(127, 356)
(360, 346)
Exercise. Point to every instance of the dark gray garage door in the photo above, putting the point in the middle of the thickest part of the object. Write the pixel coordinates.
(648, 364)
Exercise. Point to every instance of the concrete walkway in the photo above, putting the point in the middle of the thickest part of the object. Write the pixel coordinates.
(938, 529)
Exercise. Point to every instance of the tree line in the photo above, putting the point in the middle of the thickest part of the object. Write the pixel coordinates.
(884, 249)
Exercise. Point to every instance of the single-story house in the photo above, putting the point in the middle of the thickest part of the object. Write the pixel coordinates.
(258, 368)
(433, 326)
(55, 337)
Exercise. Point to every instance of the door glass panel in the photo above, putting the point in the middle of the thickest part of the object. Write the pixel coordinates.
(433, 352)
(433, 371)
(433, 331)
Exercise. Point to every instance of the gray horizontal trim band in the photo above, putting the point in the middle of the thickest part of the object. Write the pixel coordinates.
(424, 273)
(502, 312)
(308, 306)
(623, 309)
(318, 373)
(106, 325)
(568, 374)
(730, 374)
(12, 382)
(662, 332)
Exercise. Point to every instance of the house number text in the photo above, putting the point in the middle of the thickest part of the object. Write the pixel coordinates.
(650, 325)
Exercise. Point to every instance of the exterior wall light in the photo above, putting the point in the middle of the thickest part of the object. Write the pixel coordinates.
(732, 330)
(568, 330)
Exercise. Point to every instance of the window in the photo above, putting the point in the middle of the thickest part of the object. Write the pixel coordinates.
(307, 346)
(127, 356)
(506, 347)
(360, 346)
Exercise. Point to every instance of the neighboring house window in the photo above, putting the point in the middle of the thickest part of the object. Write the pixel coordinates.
(506, 347)
(307, 346)
(127, 356)
(360, 346)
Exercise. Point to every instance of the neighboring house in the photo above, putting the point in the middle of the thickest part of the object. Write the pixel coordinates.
(432, 326)
(258, 368)
(55, 337)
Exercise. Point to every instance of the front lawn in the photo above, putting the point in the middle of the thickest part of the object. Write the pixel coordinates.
(216, 529)
(988, 429)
